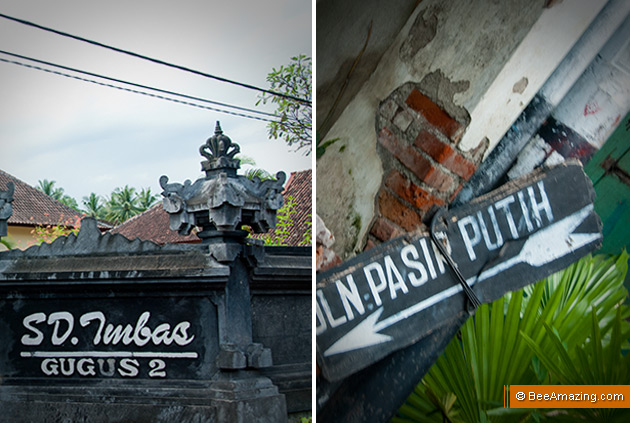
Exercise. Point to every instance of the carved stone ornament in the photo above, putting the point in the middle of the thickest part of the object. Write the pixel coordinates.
(222, 201)
(220, 151)
(6, 209)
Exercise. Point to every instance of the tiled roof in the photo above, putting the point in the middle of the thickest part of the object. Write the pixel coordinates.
(300, 188)
(153, 224)
(32, 207)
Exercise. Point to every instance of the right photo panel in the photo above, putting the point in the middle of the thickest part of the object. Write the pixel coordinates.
(472, 211)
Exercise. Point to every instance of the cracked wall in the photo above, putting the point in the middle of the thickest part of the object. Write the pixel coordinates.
(452, 51)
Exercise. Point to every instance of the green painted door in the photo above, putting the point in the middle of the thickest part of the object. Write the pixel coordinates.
(609, 169)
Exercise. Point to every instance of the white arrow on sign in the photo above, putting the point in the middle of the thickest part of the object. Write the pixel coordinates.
(539, 249)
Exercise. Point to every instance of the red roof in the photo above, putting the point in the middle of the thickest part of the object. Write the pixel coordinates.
(32, 207)
(153, 224)
(300, 188)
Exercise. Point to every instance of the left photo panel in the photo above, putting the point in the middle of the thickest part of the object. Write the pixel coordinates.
(156, 211)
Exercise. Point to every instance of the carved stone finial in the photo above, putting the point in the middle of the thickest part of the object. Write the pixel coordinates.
(6, 209)
(219, 150)
(222, 202)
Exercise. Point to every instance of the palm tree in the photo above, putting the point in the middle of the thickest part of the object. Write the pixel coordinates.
(146, 199)
(122, 205)
(93, 207)
(46, 186)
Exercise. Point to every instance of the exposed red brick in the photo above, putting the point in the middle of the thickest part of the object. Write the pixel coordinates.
(369, 245)
(433, 114)
(385, 230)
(460, 166)
(438, 179)
(410, 192)
(444, 154)
(393, 209)
(431, 145)
(407, 155)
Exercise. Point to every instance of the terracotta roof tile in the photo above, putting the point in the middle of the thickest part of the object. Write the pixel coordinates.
(153, 224)
(300, 188)
(32, 207)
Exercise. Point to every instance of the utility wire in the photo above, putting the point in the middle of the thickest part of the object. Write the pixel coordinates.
(146, 87)
(135, 91)
(151, 59)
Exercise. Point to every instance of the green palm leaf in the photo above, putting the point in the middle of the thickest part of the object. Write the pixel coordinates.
(576, 316)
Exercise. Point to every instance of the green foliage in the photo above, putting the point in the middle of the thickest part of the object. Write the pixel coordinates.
(93, 206)
(307, 237)
(284, 222)
(261, 174)
(49, 233)
(306, 420)
(122, 205)
(7, 243)
(48, 188)
(560, 330)
(321, 146)
(295, 123)
(146, 200)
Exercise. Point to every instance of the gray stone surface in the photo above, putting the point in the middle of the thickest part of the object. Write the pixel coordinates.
(6, 209)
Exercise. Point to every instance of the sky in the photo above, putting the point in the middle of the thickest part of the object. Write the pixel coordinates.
(90, 138)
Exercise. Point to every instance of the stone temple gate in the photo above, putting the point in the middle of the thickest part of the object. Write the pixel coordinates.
(97, 328)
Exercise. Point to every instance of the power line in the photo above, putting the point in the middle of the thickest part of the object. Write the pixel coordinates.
(135, 91)
(151, 59)
(134, 84)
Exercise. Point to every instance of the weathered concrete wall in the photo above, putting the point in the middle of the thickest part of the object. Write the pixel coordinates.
(466, 44)
(343, 29)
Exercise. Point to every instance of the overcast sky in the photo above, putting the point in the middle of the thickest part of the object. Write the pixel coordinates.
(90, 138)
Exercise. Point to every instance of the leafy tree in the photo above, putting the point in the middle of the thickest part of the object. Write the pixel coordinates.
(122, 205)
(295, 117)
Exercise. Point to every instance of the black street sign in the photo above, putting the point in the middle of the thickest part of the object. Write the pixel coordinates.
(401, 291)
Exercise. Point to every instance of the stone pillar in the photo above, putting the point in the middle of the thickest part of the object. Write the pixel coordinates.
(220, 205)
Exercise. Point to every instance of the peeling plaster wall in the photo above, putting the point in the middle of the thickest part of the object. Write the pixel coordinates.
(467, 42)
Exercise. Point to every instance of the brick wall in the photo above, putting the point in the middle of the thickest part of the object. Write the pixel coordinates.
(417, 142)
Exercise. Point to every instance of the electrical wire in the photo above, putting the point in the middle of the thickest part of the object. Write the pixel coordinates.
(42, 62)
(151, 59)
(135, 91)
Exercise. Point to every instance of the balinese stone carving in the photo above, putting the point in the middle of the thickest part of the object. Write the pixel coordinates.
(6, 209)
(222, 201)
